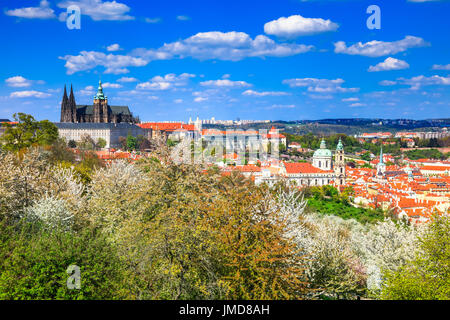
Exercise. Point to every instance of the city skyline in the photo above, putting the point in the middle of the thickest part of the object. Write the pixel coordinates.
(289, 60)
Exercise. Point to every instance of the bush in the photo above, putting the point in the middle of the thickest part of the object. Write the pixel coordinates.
(34, 260)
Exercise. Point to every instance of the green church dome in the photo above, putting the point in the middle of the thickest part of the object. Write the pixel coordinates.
(323, 151)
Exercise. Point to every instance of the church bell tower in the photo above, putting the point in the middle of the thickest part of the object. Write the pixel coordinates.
(339, 164)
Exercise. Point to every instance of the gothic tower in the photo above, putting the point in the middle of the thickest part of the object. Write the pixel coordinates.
(339, 164)
(64, 107)
(101, 110)
(72, 110)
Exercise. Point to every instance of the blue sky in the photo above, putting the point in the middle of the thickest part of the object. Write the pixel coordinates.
(171, 60)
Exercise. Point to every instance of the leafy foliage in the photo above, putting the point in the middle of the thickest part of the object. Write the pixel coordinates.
(28, 132)
(427, 275)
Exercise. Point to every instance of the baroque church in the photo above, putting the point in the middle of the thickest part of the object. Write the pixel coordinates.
(322, 171)
(99, 112)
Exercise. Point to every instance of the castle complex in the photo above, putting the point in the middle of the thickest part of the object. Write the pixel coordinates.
(99, 112)
(98, 121)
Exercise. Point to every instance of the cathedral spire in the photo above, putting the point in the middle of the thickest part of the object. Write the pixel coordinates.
(64, 106)
(72, 106)
(65, 94)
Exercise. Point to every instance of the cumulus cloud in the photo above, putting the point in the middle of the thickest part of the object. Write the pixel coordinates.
(419, 81)
(357, 104)
(296, 25)
(183, 18)
(100, 10)
(111, 85)
(352, 99)
(231, 46)
(153, 20)
(441, 67)
(127, 79)
(228, 46)
(389, 64)
(200, 99)
(264, 93)
(388, 83)
(87, 91)
(379, 48)
(115, 64)
(29, 94)
(114, 47)
(225, 83)
(319, 85)
(281, 106)
(18, 82)
(166, 82)
(42, 12)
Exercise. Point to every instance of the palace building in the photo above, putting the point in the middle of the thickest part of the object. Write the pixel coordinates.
(99, 112)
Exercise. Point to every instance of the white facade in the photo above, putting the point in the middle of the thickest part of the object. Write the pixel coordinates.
(110, 132)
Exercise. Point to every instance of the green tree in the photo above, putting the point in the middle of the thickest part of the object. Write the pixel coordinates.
(427, 277)
(101, 143)
(27, 132)
(132, 142)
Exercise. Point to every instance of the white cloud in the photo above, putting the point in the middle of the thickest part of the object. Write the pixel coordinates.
(357, 104)
(264, 93)
(200, 99)
(225, 83)
(321, 96)
(352, 99)
(99, 10)
(127, 79)
(183, 18)
(229, 46)
(87, 91)
(419, 81)
(29, 94)
(42, 12)
(296, 25)
(111, 85)
(153, 20)
(281, 106)
(388, 83)
(441, 67)
(114, 47)
(319, 85)
(18, 82)
(166, 82)
(115, 64)
(389, 64)
(178, 100)
(379, 48)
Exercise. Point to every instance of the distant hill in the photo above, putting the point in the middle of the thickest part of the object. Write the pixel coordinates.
(346, 126)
